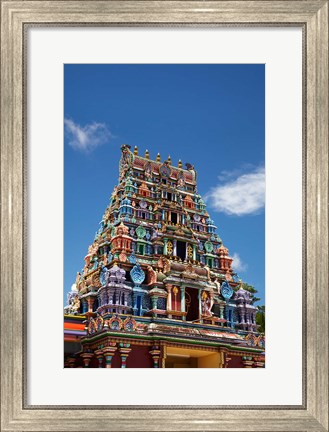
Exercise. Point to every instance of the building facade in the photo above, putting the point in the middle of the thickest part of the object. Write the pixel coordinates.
(157, 288)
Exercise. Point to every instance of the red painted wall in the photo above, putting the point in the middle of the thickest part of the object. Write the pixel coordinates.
(140, 357)
(235, 362)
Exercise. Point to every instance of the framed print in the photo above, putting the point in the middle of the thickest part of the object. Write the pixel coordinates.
(157, 288)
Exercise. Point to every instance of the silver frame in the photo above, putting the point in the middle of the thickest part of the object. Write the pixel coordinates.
(312, 17)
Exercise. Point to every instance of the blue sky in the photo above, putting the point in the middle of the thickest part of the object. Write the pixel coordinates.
(212, 116)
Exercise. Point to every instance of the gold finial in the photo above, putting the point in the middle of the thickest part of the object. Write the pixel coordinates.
(147, 154)
(158, 159)
(180, 164)
(135, 150)
(169, 160)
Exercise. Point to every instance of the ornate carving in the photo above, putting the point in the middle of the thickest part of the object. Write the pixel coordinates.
(152, 276)
(226, 290)
(126, 161)
(137, 274)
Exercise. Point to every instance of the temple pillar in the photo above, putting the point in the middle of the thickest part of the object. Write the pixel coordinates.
(109, 352)
(90, 301)
(154, 301)
(175, 247)
(182, 301)
(86, 357)
(100, 358)
(165, 246)
(221, 312)
(200, 305)
(155, 353)
(194, 252)
(169, 305)
(124, 349)
(247, 362)
(175, 292)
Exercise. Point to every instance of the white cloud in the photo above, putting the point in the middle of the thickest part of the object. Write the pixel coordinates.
(238, 265)
(86, 138)
(241, 196)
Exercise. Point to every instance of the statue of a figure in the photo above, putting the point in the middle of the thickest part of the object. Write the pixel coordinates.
(126, 160)
(152, 276)
(208, 272)
(217, 283)
(164, 264)
(167, 266)
(77, 279)
(75, 305)
(191, 168)
(206, 304)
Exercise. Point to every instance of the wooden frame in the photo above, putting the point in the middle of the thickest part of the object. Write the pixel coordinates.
(312, 16)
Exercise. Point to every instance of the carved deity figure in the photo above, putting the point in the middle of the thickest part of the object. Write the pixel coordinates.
(152, 276)
(164, 264)
(75, 305)
(126, 161)
(78, 279)
(217, 283)
(206, 304)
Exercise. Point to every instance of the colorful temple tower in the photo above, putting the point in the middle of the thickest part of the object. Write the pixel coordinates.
(157, 288)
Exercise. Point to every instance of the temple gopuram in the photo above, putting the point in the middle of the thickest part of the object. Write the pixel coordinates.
(158, 289)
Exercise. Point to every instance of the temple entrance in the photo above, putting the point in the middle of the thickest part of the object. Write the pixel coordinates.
(181, 249)
(192, 358)
(191, 304)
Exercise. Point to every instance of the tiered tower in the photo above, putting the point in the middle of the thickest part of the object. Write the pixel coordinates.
(158, 286)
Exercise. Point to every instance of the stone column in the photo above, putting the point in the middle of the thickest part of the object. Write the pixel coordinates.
(100, 358)
(165, 246)
(155, 353)
(200, 305)
(169, 306)
(221, 313)
(182, 301)
(194, 252)
(86, 357)
(154, 301)
(124, 349)
(90, 303)
(175, 247)
(109, 352)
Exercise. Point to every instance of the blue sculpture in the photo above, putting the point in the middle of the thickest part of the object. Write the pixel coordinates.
(102, 275)
(137, 274)
(226, 290)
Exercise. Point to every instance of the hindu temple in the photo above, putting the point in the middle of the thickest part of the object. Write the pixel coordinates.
(158, 289)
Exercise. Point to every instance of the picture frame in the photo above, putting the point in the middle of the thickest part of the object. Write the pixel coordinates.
(17, 16)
